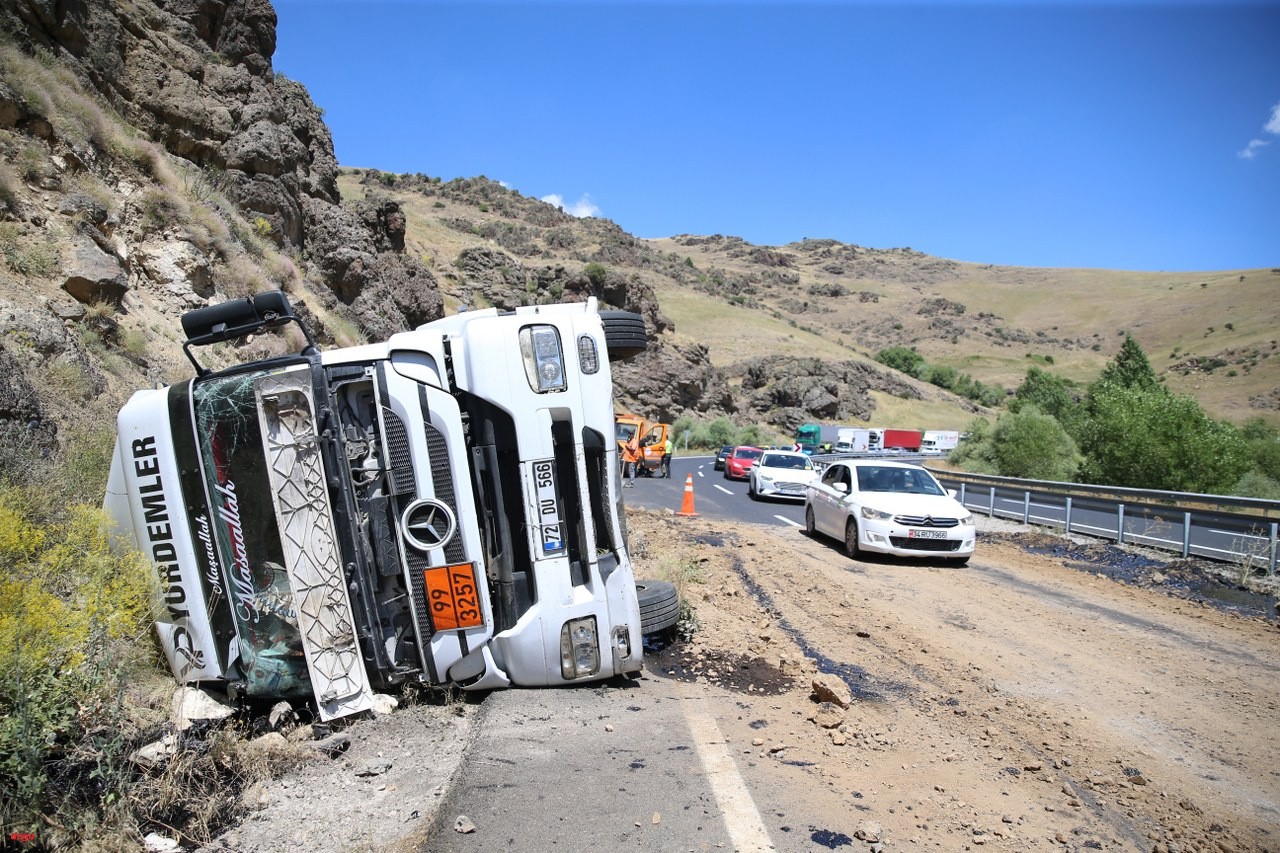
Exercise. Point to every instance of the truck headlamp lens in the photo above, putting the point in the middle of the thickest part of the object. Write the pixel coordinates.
(543, 358)
(588, 355)
(579, 649)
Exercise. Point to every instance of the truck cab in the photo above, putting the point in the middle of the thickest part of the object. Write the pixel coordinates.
(443, 506)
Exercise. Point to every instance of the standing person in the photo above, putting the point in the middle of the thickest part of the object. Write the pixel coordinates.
(667, 448)
(631, 458)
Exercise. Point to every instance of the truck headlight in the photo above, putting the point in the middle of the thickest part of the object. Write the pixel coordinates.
(579, 650)
(543, 358)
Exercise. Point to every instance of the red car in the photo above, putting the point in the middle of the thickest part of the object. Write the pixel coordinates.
(738, 464)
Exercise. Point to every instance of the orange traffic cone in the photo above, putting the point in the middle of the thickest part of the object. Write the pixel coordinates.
(687, 507)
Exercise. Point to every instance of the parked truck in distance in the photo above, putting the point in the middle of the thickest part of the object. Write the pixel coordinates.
(939, 440)
(887, 440)
(853, 440)
(812, 437)
(442, 507)
(653, 439)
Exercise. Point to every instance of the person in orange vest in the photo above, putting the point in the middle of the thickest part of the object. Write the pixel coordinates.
(631, 458)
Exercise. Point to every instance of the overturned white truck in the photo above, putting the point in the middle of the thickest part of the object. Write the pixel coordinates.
(442, 507)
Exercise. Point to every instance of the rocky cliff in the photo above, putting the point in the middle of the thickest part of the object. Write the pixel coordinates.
(152, 161)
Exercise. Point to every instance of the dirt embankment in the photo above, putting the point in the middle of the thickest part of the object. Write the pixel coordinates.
(1019, 703)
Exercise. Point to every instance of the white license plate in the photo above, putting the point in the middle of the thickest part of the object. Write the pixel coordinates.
(926, 534)
(549, 523)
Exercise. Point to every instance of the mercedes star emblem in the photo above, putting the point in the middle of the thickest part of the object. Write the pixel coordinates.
(427, 524)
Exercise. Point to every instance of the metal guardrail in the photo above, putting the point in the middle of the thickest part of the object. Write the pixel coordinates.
(1228, 529)
(1217, 527)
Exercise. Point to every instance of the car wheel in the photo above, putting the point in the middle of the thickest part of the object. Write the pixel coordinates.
(751, 490)
(624, 334)
(810, 523)
(659, 606)
(851, 539)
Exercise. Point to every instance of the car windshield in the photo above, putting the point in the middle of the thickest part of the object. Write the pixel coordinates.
(747, 453)
(779, 460)
(914, 481)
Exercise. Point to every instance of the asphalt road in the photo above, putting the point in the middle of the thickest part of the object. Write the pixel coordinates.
(713, 495)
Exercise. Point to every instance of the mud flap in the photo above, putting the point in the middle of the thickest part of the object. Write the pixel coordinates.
(313, 563)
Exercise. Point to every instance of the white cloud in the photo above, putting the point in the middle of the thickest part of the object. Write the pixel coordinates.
(1251, 150)
(1255, 145)
(584, 206)
(1273, 126)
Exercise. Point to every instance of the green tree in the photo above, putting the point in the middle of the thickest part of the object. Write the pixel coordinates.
(717, 433)
(1052, 395)
(1035, 446)
(1026, 443)
(1152, 439)
(1255, 484)
(754, 435)
(1130, 368)
(943, 376)
(974, 452)
(1264, 446)
(904, 359)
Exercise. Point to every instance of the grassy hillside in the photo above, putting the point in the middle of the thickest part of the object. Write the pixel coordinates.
(1211, 335)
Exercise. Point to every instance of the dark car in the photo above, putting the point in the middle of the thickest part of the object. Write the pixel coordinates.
(721, 455)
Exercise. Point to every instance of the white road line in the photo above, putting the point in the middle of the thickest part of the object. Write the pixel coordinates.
(741, 817)
(788, 521)
(722, 488)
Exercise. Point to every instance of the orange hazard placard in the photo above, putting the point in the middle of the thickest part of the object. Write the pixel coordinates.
(452, 598)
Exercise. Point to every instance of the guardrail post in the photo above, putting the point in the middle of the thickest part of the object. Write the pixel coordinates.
(1274, 525)
(1067, 528)
(1026, 507)
(1186, 535)
(991, 507)
(1119, 524)
(962, 485)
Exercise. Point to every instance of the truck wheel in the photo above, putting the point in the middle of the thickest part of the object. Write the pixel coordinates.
(659, 606)
(624, 334)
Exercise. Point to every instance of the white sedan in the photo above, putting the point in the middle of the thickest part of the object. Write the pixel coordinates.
(890, 508)
(781, 474)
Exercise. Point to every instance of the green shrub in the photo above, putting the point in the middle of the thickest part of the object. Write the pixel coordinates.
(1256, 484)
(596, 273)
(73, 622)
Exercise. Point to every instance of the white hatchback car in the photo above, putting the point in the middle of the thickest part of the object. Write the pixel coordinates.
(890, 508)
(781, 474)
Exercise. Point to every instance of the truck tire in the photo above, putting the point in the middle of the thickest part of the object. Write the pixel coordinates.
(659, 606)
(624, 334)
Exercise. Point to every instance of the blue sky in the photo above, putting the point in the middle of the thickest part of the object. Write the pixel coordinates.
(1137, 136)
